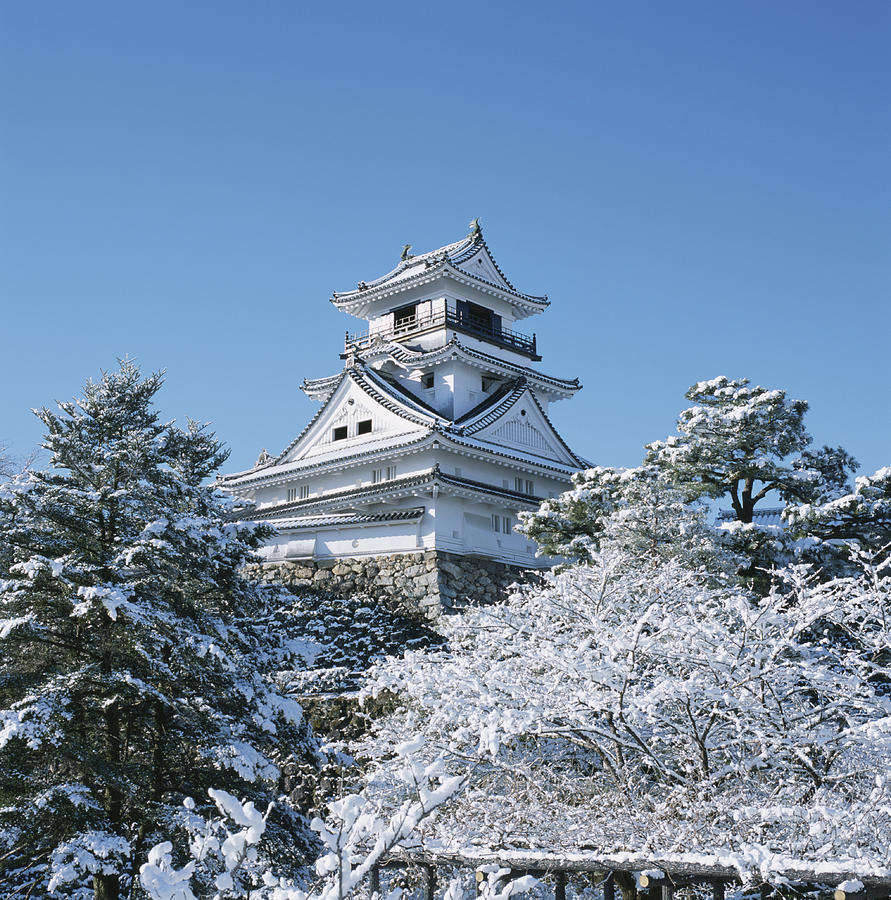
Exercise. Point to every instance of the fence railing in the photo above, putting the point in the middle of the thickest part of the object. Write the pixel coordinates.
(644, 879)
(449, 317)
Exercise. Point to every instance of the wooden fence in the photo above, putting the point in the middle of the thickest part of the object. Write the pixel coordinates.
(646, 879)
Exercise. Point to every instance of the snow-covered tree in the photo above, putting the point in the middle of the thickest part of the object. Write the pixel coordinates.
(131, 670)
(644, 708)
(857, 522)
(636, 510)
(360, 832)
(742, 443)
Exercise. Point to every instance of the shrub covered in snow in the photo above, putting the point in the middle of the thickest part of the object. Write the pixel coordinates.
(643, 708)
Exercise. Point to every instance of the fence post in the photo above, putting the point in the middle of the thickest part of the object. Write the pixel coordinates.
(429, 882)
(374, 880)
(717, 890)
(559, 885)
(609, 887)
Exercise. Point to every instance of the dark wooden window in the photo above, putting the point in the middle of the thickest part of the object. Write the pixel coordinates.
(364, 427)
(405, 316)
(427, 380)
(340, 433)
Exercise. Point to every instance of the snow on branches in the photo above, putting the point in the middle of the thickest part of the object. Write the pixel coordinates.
(359, 834)
(741, 441)
(131, 667)
(643, 708)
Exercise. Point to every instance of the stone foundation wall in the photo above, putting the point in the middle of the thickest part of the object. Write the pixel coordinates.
(430, 581)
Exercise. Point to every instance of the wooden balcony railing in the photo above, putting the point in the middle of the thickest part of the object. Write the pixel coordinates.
(408, 325)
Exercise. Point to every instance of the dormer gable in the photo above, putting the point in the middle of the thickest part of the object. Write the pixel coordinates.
(359, 415)
(479, 262)
(513, 418)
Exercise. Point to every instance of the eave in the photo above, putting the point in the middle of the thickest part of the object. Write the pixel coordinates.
(454, 349)
(353, 520)
(399, 488)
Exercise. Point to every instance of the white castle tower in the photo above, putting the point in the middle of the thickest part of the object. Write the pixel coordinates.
(427, 444)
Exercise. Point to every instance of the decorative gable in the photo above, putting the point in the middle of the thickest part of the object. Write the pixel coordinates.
(481, 265)
(351, 421)
(518, 422)
(519, 433)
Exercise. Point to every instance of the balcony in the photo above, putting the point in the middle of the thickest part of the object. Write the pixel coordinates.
(471, 322)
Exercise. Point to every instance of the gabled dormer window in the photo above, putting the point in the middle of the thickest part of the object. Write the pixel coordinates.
(427, 380)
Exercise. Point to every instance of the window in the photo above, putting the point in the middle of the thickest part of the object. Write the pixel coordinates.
(377, 475)
(364, 426)
(507, 525)
(526, 486)
(292, 494)
(391, 473)
(304, 491)
(427, 380)
(496, 524)
(479, 317)
(339, 433)
(405, 317)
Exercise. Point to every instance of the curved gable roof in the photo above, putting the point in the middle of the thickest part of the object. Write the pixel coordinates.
(453, 258)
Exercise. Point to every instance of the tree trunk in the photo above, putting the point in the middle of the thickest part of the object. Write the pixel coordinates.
(106, 887)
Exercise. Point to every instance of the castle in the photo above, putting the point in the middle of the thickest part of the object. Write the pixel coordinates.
(427, 444)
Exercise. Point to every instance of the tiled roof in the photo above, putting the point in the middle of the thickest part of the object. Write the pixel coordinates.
(454, 347)
(768, 516)
(370, 493)
(334, 519)
(449, 257)
(492, 407)
(405, 404)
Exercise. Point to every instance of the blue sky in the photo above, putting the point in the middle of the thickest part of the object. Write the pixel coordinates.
(701, 189)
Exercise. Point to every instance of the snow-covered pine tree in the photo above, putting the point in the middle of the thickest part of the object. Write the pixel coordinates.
(743, 442)
(836, 531)
(747, 444)
(639, 511)
(131, 675)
